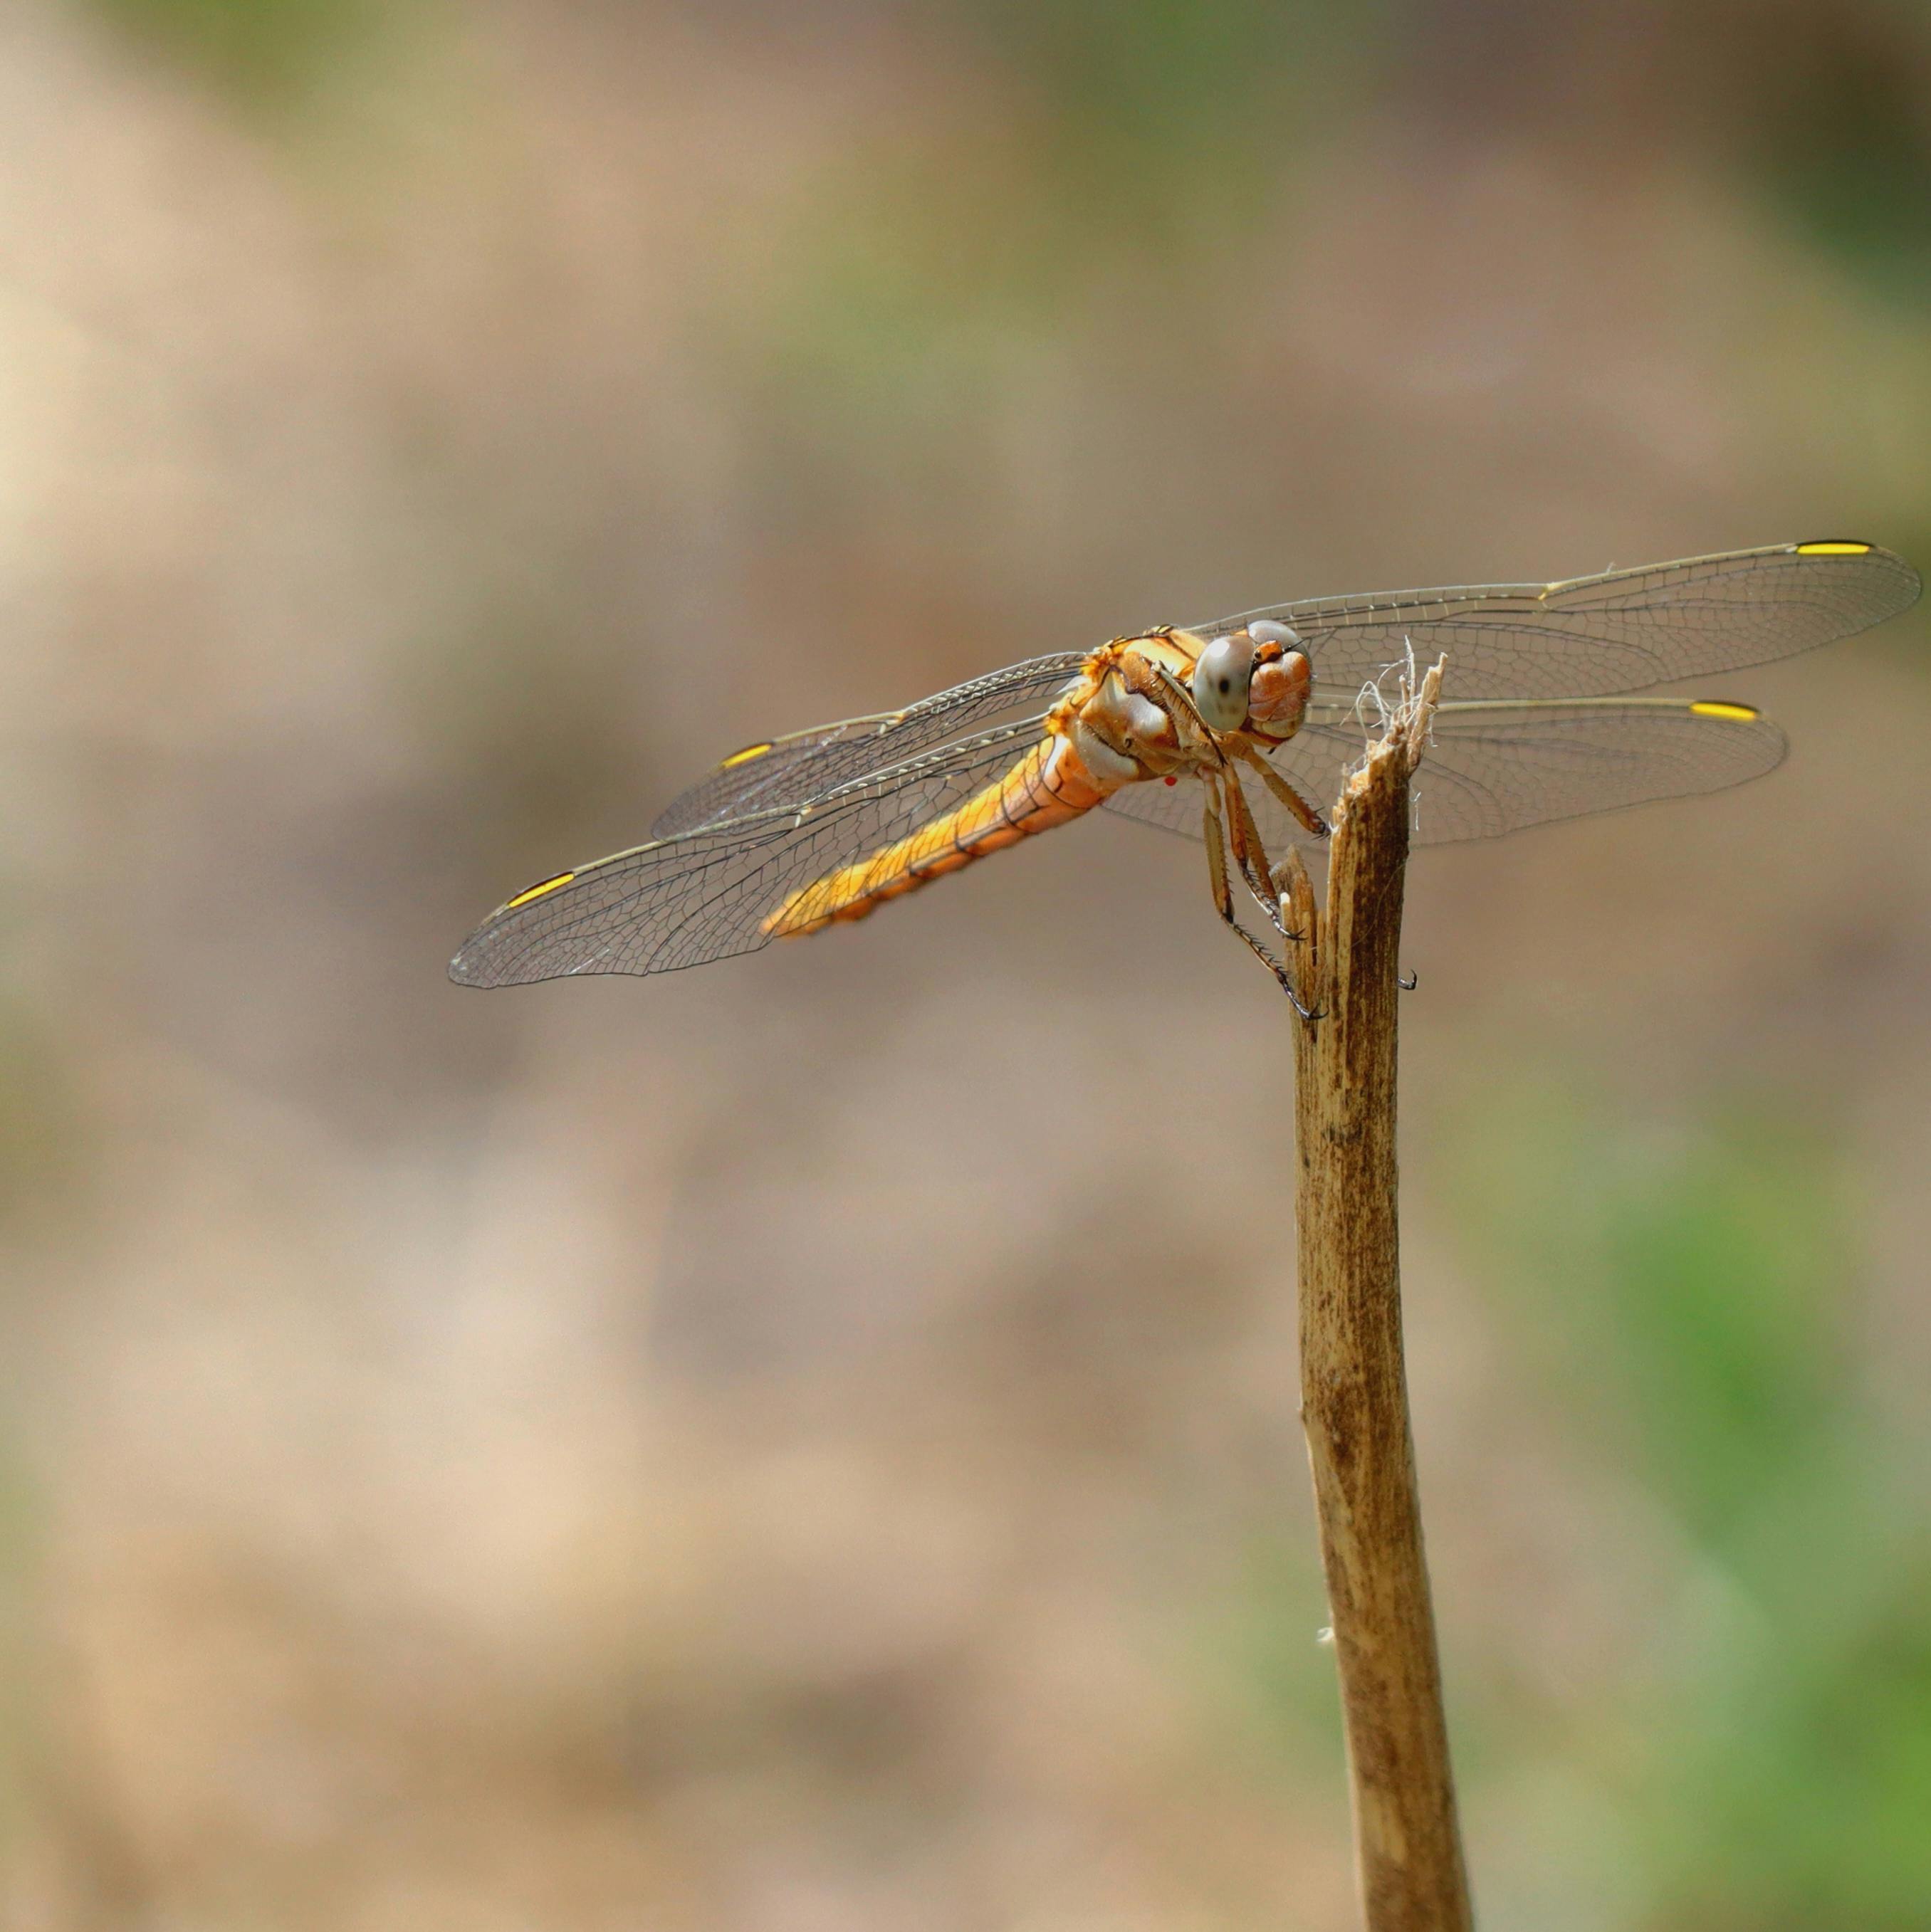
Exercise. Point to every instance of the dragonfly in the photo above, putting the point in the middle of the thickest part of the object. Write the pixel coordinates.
(1228, 732)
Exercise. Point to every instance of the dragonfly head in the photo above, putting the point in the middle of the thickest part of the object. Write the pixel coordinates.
(1282, 680)
(1259, 674)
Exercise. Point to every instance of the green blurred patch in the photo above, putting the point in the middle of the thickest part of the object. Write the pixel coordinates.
(263, 50)
(1729, 1256)
(892, 287)
(1798, 1796)
(1265, 1671)
(1845, 149)
(22, 1712)
(1160, 114)
(1690, 1299)
(1111, 153)
(41, 1137)
(529, 698)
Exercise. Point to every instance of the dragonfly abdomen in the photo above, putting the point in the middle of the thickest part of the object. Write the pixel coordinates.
(1048, 786)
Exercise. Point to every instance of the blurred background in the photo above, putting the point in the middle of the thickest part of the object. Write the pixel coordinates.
(714, 1454)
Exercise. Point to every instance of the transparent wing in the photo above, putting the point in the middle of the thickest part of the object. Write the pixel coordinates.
(789, 771)
(1179, 808)
(1492, 768)
(1496, 768)
(705, 894)
(1620, 631)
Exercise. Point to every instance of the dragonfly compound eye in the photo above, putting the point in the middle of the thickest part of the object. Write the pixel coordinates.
(1278, 693)
(1266, 631)
(1221, 674)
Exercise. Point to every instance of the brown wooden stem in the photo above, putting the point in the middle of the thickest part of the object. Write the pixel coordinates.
(1354, 1396)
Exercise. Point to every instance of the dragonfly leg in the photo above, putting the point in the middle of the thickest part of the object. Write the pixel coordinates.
(1251, 855)
(1217, 872)
(1242, 816)
(1309, 820)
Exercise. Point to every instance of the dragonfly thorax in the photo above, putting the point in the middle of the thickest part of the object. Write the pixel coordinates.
(1121, 736)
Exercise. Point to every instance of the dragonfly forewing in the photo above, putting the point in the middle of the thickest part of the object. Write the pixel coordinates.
(1622, 631)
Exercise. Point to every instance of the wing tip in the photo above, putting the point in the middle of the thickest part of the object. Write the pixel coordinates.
(467, 969)
(1901, 568)
(472, 965)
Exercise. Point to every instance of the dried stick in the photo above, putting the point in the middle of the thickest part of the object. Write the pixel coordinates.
(1354, 1396)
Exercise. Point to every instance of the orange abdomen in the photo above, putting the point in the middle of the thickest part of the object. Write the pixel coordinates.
(1047, 787)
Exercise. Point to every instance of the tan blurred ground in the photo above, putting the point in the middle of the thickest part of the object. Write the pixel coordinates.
(702, 1455)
